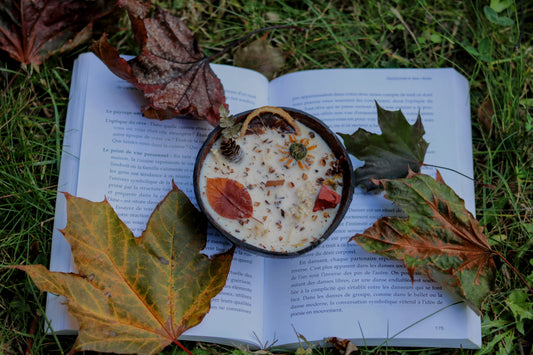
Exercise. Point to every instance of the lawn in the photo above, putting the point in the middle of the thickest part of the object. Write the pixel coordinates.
(488, 42)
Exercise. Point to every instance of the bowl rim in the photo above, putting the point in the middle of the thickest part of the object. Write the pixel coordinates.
(346, 196)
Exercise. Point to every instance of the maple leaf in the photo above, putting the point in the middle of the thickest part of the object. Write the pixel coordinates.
(440, 237)
(392, 154)
(33, 30)
(171, 70)
(135, 295)
(229, 198)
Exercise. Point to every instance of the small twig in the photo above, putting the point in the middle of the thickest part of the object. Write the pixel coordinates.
(245, 37)
(182, 347)
(460, 173)
(514, 270)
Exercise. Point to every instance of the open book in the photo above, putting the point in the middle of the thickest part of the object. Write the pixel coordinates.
(336, 290)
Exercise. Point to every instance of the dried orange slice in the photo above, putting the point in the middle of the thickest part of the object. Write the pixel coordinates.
(270, 109)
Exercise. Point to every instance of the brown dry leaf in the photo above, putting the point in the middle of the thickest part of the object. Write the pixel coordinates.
(33, 30)
(484, 115)
(135, 295)
(345, 346)
(260, 56)
(171, 70)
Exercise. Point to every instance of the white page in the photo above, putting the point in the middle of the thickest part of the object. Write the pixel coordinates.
(132, 161)
(343, 304)
(60, 259)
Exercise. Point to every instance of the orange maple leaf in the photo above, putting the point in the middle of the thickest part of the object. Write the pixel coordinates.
(135, 295)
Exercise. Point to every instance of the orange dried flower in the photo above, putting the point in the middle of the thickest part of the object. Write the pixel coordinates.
(296, 152)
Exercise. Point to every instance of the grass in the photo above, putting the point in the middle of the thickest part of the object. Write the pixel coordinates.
(386, 34)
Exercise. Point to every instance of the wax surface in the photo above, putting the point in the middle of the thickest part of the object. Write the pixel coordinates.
(283, 189)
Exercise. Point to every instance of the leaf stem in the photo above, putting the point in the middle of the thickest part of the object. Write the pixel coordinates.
(245, 37)
(492, 187)
(514, 270)
(182, 347)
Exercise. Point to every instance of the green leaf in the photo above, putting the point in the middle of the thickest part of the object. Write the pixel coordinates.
(521, 308)
(440, 237)
(499, 6)
(435, 38)
(392, 154)
(472, 51)
(493, 17)
(135, 295)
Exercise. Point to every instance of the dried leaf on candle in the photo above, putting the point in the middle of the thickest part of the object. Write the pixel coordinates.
(229, 198)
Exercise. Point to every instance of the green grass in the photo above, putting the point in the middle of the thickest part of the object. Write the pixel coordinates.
(385, 34)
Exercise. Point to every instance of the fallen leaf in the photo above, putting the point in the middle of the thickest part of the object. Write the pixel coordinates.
(345, 346)
(229, 198)
(484, 115)
(392, 154)
(33, 30)
(440, 237)
(260, 56)
(135, 295)
(170, 70)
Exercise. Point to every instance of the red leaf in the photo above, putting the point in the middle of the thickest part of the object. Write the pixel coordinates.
(229, 198)
(327, 198)
(32, 30)
(171, 70)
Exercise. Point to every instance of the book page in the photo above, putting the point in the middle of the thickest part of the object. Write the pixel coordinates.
(338, 289)
(132, 161)
(60, 259)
